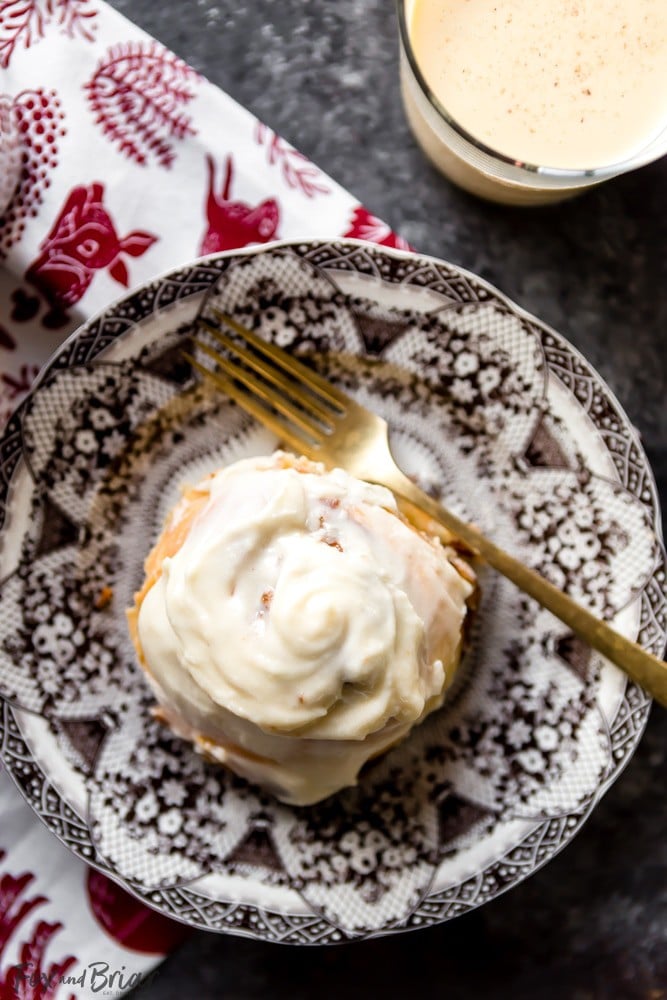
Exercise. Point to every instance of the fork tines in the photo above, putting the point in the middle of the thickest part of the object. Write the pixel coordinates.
(281, 392)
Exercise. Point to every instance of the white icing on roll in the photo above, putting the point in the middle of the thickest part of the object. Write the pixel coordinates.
(302, 626)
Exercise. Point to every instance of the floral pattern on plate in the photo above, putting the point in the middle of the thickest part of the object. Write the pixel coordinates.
(486, 411)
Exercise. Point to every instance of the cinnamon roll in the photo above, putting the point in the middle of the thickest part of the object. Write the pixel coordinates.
(293, 624)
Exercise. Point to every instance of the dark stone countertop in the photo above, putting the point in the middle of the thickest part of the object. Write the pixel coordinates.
(323, 73)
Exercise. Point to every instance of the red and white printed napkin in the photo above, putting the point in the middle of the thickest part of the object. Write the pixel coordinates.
(132, 164)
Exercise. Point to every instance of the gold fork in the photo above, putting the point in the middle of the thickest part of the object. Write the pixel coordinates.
(318, 420)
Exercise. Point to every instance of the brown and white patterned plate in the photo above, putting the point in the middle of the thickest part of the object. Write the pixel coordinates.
(493, 412)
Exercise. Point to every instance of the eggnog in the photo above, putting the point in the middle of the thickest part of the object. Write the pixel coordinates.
(569, 85)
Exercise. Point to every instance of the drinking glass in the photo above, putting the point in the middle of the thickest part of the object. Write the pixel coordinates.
(477, 167)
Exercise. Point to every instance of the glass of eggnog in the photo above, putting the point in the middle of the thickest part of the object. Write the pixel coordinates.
(532, 101)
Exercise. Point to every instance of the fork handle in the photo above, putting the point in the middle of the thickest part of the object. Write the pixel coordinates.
(642, 666)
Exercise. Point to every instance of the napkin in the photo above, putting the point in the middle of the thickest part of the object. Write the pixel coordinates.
(132, 164)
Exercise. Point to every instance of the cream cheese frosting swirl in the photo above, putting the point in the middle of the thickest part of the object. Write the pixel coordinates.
(300, 626)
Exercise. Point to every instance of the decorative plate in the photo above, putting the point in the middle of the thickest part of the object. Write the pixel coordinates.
(491, 411)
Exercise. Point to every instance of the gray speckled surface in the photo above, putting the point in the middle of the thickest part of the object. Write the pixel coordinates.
(593, 923)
